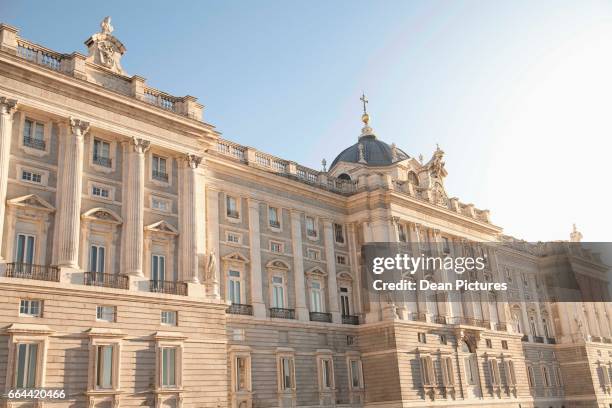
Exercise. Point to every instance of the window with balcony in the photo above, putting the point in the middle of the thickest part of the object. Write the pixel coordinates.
(158, 268)
(234, 287)
(97, 255)
(339, 233)
(169, 317)
(231, 207)
(34, 134)
(159, 170)
(168, 367)
(278, 292)
(106, 313)
(101, 153)
(345, 301)
(30, 307)
(311, 229)
(316, 297)
(273, 217)
(24, 249)
(104, 366)
(26, 365)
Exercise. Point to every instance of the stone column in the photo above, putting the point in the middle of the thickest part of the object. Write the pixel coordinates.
(134, 202)
(69, 193)
(188, 226)
(298, 267)
(259, 307)
(212, 223)
(7, 108)
(330, 257)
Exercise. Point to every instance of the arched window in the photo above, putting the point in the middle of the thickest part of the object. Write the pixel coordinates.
(344, 177)
(412, 178)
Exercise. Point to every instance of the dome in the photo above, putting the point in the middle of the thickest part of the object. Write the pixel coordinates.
(375, 152)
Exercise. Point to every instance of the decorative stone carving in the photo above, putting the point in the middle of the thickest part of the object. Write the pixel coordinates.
(192, 160)
(7, 106)
(211, 267)
(105, 49)
(436, 164)
(140, 145)
(79, 127)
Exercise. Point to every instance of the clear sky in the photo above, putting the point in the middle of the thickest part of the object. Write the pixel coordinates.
(518, 94)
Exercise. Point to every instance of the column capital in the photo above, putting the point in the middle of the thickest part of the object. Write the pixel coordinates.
(192, 160)
(140, 145)
(78, 127)
(7, 106)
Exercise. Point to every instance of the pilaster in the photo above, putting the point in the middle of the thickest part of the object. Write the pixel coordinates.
(259, 307)
(330, 257)
(188, 225)
(69, 192)
(298, 267)
(7, 108)
(134, 222)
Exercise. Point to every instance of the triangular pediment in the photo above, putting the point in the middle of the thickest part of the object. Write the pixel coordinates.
(277, 264)
(316, 271)
(31, 201)
(162, 227)
(102, 215)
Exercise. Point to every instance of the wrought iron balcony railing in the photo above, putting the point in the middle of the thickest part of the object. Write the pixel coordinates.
(107, 280)
(350, 319)
(417, 317)
(606, 340)
(596, 339)
(525, 338)
(320, 317)
(239, 309)
(31, 271)
(551, 340)
(103, 161)
(439, 319)
(281, 313)
(34, 143)
(160, 175)
(169, 287)
(538, 339)
(469, 321)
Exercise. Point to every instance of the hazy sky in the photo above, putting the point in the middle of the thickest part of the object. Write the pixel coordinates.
(518, 94)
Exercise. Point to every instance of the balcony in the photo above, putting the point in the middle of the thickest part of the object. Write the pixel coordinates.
(320, 317)
(31, 271)
(501, 327)
(350, 319)
(439, 319)
(107, 280)
(160, 175)
(596, 339)
(525, 338)
(168, 287)
(281, 313)
(239, 309)
(470, 321)
(551, 340)
(605, 340)
(103, 161)
(34, 143)
(538, 339)
(417, 317)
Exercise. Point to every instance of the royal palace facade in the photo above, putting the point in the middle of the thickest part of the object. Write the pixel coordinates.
(146, 261)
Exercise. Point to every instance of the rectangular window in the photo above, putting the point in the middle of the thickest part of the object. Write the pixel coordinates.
(104, 366)
(355, 367)
(427, 371)
(421, 337)
(276, 246)
(443, 339)
(312, 254)
(448, 374)
(504, 344)
(339, 233)
(97, 254)
(311, 230)
(26, 365)
(25, 249)
(510, 375)
(168, 367)
(231, 207)
(286, 373)
(470, 369)
(158, 268)
(105, 313)
(488, 343)
(101, 192)
(273, 218)
(101, 153)
(34, 134)
(159, 170)
(494, 372)
(168, 317)
(546, 376)
(345, 302)
(445, 245)
(560, 379)
(327, 374)
(234, 238)
(341, 259)
(401, 233)
(530, 377)
(160, 205)
(233, 287)
(316, 298)
(30, 307)
(241, 374)
(31, 177)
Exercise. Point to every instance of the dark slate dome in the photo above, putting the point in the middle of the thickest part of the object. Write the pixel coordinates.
(375, 152)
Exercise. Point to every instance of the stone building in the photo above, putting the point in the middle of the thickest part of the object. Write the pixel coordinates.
(145, 261)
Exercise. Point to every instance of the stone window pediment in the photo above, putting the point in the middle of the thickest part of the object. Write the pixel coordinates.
(103, 215)
(235, 257)
(162, 227)
(316, 272)
(31, 202)
(277, 264)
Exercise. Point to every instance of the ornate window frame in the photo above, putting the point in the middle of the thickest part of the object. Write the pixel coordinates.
(104, 337)
(238, 199)
(99, 226)
(48, 125)
(160, 239)
(112, 152)
(165, 340)
(316, 274)
(28, 214)
(238, 262)
(27, 333)
(277, 267)
(44, 176)
(169, 167)
(240, 396)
